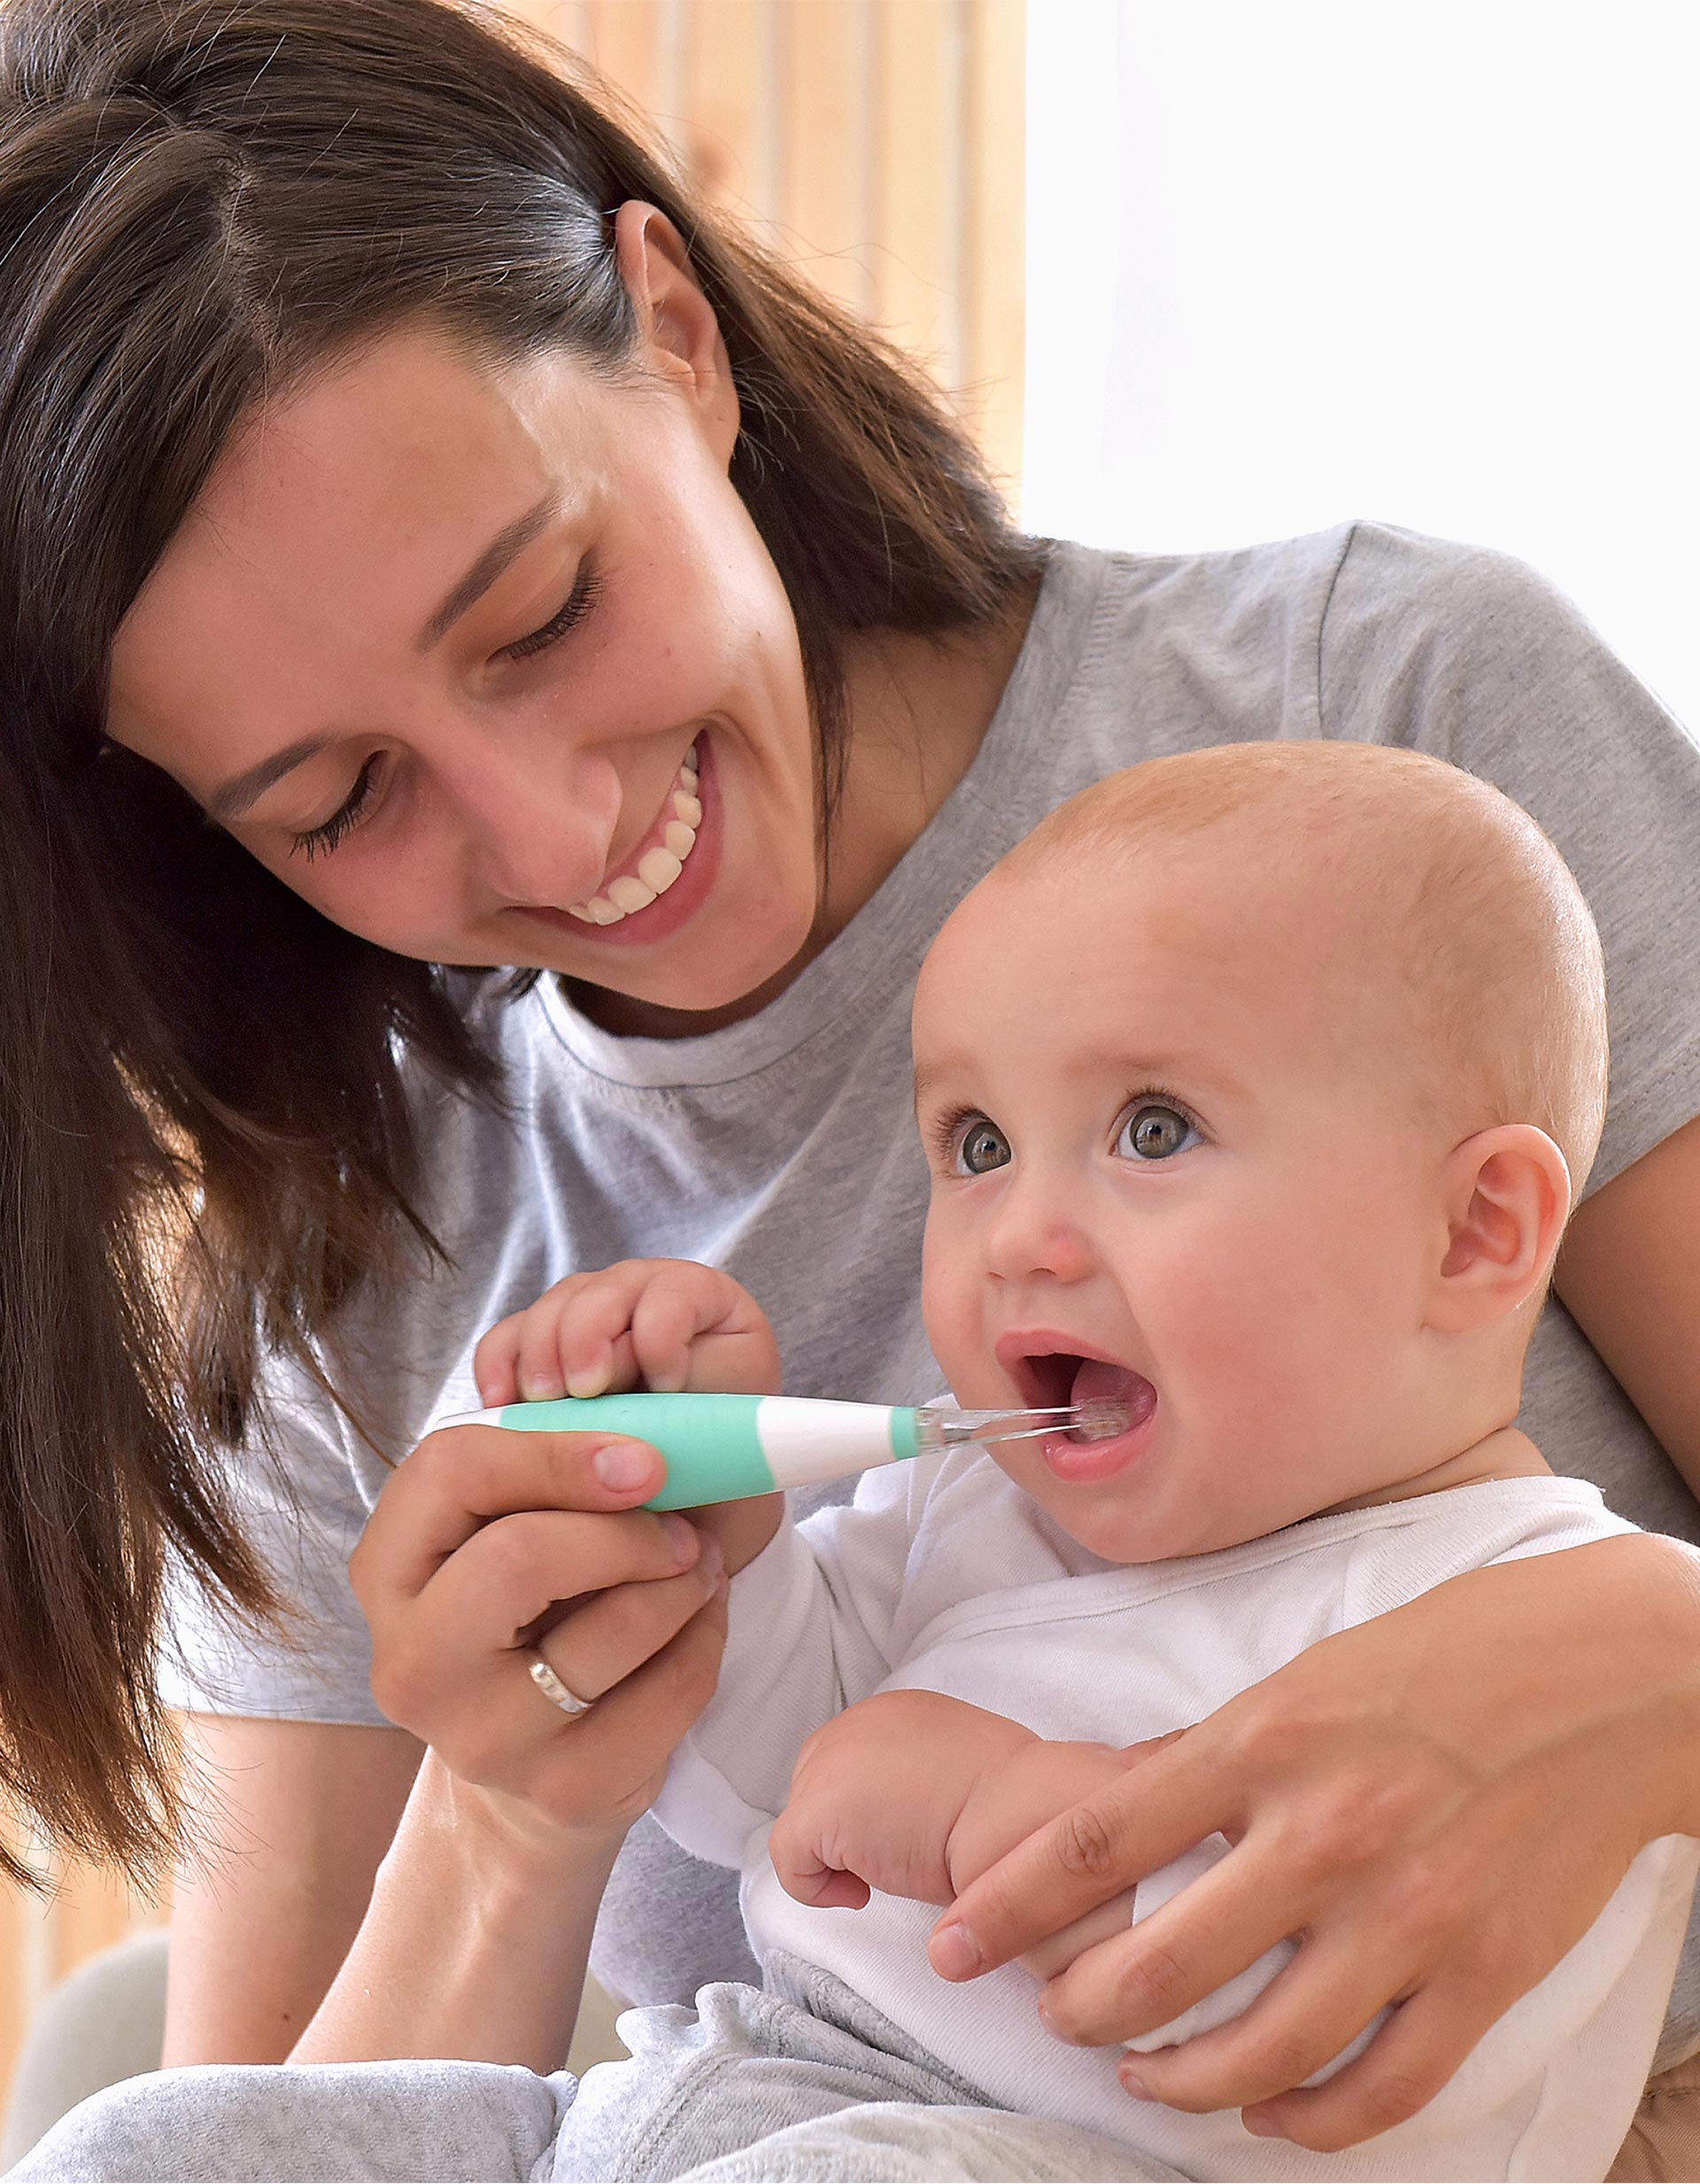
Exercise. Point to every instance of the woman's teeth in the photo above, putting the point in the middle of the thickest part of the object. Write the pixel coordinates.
(657, 868)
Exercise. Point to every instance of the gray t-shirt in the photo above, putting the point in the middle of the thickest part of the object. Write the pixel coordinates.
(783, 1148)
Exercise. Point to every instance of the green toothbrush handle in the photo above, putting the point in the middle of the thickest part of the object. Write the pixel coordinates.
(727, 1448)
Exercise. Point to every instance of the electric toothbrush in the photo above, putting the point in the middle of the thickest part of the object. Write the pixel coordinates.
(728, 1448)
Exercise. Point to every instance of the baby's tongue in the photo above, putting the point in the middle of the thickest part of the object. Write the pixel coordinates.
(1129, 1393)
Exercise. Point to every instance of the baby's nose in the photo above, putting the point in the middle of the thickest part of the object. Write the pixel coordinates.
(1029, 1239)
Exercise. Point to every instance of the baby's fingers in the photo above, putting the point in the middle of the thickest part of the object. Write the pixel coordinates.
(795, 1849)
(495, 1364)
(678, 1306)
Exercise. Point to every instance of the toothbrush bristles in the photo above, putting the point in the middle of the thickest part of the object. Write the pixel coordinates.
(1098, 1420)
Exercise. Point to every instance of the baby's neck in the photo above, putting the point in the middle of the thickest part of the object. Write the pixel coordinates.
(1506, 1454)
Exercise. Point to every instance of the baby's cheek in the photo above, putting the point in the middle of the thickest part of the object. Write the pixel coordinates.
(950, 1311)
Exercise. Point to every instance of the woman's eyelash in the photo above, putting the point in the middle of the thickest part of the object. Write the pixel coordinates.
(320, 841)
(583, 597)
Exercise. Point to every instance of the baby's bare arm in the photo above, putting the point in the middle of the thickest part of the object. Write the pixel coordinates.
(875, 1794)
(917, 1794)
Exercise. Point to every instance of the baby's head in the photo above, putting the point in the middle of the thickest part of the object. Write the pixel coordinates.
(1256, 1084)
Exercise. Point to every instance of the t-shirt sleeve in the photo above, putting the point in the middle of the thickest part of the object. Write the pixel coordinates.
(1470, 655)
(300, 1506)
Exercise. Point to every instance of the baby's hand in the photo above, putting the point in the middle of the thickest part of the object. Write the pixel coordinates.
(875, 1794)
(662, 1324)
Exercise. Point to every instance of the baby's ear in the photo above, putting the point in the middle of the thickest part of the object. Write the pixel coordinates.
(1507, 1198)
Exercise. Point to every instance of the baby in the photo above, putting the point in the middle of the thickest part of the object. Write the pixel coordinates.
(1256, 1086)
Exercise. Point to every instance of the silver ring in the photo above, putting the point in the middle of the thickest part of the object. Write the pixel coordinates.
(557, 1693)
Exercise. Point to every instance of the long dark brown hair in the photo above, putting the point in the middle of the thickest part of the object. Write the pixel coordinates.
(205, 1137)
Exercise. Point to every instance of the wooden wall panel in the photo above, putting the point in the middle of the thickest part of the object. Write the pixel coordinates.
(994, 170)
(730, 133)
(918, 157)
(876, 142)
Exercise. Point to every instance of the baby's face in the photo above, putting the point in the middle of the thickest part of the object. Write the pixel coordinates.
(1171, 1163)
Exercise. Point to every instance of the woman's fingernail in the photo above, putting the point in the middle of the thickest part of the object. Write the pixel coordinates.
(622, 1465)
(1132, 2082)
(1259, 2127)
(711, 1561)
(955, 1953)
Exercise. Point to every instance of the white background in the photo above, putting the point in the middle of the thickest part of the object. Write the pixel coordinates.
(1295, 261)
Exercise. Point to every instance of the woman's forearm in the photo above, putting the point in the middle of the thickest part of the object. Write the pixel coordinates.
(1596, 1650)
(471, 1949)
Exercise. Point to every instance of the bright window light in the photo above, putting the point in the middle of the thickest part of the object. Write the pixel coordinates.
(1435, 264)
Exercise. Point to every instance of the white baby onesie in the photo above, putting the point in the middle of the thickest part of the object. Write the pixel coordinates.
(943, 1576)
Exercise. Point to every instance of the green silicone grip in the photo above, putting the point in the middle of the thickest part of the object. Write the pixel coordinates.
(709, 1442)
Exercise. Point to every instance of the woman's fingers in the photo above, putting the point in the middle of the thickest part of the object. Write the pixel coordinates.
(436, 1655)
(612, 1759)
(603, 1640)
(1110, 1840)
(456, 1481)
(513, 1573)
(1202, 1938)
(1310, 2013)
(1417, 2051)
(604, 1766)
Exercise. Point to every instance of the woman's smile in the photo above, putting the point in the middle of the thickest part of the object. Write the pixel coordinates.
(667, 876)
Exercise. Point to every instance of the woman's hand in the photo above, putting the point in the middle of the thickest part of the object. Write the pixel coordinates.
(491, 1547)
(1438, 1802)
(488, 1546)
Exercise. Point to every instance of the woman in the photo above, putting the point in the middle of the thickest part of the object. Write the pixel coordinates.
(525, 575)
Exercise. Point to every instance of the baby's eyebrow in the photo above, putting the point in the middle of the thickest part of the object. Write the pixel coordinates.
(926, 1084)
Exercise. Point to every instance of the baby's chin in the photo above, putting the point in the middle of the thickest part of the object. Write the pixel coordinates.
(1132, 1520)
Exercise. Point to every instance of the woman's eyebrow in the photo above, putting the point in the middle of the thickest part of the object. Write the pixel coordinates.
(509, 543)
(242, 789)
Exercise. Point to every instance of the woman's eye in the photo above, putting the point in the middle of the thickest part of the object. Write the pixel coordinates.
(320, 841)
(583, 597)
(1154, 1130)
(983, 1146)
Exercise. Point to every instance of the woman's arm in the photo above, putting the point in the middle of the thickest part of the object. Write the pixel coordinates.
(486, 1548)
(1629, 1275)
(297, 1816)
(476, 1941)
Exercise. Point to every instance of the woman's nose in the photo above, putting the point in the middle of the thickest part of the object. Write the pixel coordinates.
(536, 825)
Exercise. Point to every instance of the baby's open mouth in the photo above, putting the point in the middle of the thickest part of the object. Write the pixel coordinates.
(1117, 1398)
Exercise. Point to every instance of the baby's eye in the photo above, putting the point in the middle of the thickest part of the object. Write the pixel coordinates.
(983, 1146)
(1154, 1130)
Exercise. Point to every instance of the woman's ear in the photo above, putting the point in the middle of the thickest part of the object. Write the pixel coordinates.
(1506, 1201)
(676, 323)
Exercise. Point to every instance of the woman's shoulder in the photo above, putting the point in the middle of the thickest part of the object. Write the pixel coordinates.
(1363, 631)
(1293, 595)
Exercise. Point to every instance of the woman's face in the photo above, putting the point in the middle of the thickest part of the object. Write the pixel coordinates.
(441, 643)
